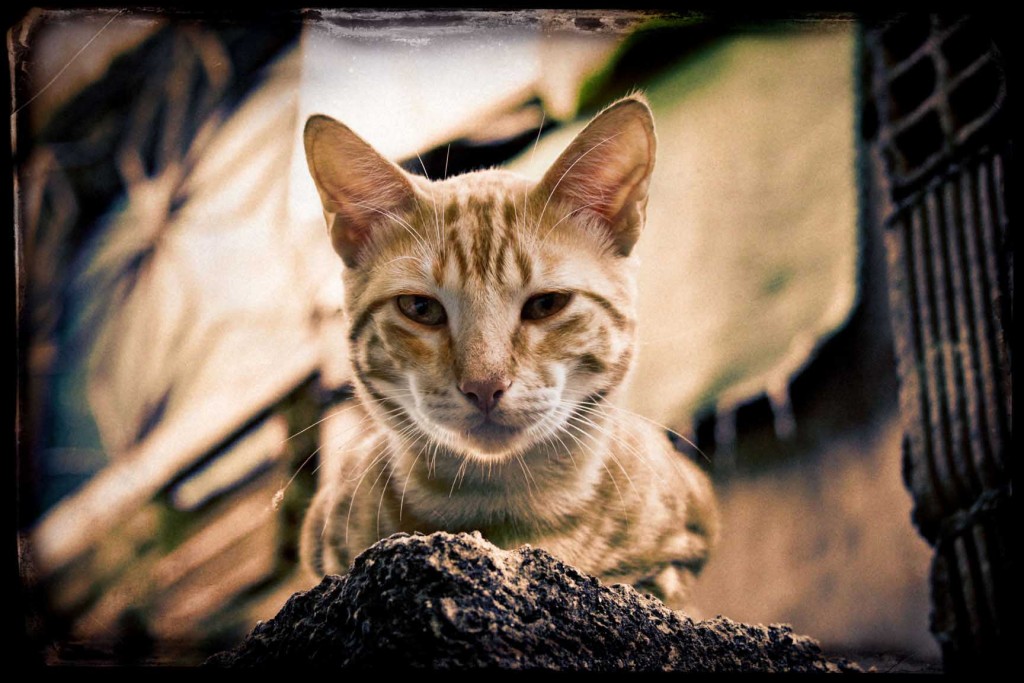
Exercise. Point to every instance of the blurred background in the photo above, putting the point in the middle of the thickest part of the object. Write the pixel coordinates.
(181, 344)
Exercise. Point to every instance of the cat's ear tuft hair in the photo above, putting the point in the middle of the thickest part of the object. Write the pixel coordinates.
(606, 170)
(358, 187)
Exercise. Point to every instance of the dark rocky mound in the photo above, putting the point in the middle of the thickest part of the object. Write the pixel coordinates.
(456, 601)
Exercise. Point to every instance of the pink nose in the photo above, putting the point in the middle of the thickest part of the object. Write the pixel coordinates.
(485, 393)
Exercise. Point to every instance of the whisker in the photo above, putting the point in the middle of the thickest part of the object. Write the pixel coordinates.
(465, 471)
(398, 219)
(432, 460)
(423, 166)
(567, 451)
(527, 476)
(540, 129)
(278, 496)
(397, 258)
(412, 468)
(384, 488)
(382, 447)
(462, 468)
(533, 156)
(611, 477)
(673, 462)
(323, 419)
(385, 454)
(433, 199)
(560, 220)
(661, 426)
(444, 219)
(611, 454)
(632, 450)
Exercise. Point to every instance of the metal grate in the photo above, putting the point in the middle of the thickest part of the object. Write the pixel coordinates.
(938, 89)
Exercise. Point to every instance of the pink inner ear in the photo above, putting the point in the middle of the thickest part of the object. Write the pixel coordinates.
(606, 170)
(348, 236)
(356, 184)
(608, 188)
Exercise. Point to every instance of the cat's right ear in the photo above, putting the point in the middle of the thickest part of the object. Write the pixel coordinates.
(358, 187)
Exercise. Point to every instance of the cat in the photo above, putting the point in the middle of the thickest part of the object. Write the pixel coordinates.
(491, 322)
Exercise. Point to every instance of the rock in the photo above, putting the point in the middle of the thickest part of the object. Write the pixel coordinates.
(456, 601)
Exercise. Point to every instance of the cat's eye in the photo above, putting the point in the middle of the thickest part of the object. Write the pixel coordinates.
(545, 305)
(422, 309)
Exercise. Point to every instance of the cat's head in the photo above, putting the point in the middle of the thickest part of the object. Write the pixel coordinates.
(489, 312)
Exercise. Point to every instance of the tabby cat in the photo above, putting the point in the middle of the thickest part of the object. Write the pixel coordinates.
(491, 322)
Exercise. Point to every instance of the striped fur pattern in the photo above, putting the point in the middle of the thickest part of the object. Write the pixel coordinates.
(491, 322)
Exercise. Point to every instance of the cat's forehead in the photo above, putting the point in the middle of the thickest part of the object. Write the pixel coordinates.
(479, 200)
(496, 185)
(488, 234)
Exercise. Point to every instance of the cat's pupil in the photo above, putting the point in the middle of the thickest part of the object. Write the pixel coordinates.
(422, 309)
(544, 305)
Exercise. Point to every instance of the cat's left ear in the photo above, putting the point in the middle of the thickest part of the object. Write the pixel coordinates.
(606, 170)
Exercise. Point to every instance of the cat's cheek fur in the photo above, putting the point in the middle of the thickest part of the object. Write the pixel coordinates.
(410, 349)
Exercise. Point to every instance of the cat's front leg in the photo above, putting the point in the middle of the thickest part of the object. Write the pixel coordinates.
(319, 551)
(673, 584)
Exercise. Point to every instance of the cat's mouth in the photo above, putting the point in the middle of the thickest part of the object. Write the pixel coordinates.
(491, 435)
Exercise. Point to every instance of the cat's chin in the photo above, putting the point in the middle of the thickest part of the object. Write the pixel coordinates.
(488, 441)
(493, 438)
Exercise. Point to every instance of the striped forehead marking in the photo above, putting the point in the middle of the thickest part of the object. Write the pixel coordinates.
(482, 237)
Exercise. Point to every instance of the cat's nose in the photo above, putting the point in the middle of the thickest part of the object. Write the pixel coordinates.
(485, 393)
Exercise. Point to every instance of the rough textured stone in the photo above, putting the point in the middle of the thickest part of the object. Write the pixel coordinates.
(456, 601)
